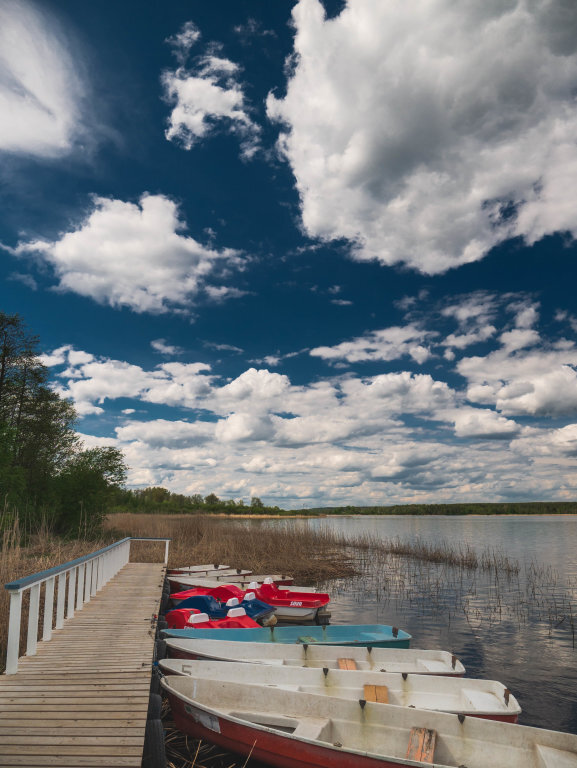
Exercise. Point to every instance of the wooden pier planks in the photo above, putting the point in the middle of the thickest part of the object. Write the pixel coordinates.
(82, 700)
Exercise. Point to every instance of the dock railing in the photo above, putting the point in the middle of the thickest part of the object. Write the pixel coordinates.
(70, 585)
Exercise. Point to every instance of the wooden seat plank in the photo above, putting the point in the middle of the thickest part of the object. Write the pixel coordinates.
(422, 745)
(347, 663)
(378, 693)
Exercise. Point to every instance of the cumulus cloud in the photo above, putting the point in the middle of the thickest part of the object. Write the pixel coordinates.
(40, 88)
(206, 96)
(483, 423)
(386, 344)
(429, 143)
(164, 433)
(391, 437)
(133, 255)
(540, 382)
(90, 381)
(161, 346)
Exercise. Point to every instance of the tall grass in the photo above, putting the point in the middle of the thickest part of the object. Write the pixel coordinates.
(309, 555)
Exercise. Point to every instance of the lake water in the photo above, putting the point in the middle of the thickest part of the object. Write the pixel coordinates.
(517, 629)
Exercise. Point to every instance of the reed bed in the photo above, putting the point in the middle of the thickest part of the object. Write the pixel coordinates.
(308, 554)
(460, 555)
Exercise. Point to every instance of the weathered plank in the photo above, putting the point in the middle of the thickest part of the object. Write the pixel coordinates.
(422, 745)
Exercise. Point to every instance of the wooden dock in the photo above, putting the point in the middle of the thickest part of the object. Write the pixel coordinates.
(82, 699)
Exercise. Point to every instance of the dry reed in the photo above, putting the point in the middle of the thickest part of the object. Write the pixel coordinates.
(309, 555)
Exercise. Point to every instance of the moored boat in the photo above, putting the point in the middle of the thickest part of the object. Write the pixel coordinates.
(221, 592)
(243, 580)
(292, 605)
(292, 729)
(477, 698)
(400, 660)
(180, 581)
(256, 609)
(236, 618)
(376, 635)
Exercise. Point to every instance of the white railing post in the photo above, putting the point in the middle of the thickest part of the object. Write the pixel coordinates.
(33, 609)
(87, 581)
(166, 551)
(94, 575)
(13, 650)
(71, 592)
(61, 600)
(80, 588)
(48, 608)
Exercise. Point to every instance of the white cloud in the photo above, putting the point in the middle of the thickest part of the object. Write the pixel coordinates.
(167, 433)
(25, 279)
(393, 437)
(482, 423)
(223, 347)
(536, 382)
(161, 346)
(40, 88)
(398, 393)
(183, 41)
(342, 302)
(244, 426)
(386, 344)
(429, 143)
(90, 381)
(519, 338)
(133, 255)
(206, 97)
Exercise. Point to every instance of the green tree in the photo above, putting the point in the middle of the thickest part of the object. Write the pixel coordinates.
(86, 485)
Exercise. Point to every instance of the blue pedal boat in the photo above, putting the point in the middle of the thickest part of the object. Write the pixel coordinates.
(374, 635)
(256, 609)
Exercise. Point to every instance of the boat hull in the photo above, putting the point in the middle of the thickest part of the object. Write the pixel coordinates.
(288, 727)
(284, 613)
(487, 699)
(270, 748)
(362, 635)
(392, 660)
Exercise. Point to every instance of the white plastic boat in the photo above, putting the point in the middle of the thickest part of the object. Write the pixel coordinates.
(400, 660)
(292, 729)
(478, 698)
(180, 583)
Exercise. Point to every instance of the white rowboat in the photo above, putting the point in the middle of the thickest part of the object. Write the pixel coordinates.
(291, 729)
(478, 698)
(243, 582)
(400, 660)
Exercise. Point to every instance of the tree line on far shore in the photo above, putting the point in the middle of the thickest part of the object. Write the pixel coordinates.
(161, 501)
(45, 472)
(158, 500)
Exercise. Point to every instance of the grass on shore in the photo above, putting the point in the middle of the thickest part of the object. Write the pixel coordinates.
(308, 555)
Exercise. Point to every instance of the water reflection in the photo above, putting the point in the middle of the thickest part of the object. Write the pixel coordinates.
(514, 627)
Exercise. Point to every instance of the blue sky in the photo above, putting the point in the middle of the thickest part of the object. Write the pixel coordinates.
(318, 253)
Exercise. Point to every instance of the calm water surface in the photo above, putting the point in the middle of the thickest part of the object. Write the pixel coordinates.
(516, 629)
